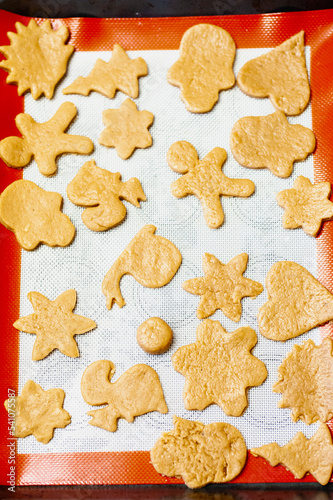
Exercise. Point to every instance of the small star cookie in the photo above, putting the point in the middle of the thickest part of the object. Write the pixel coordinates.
(270, 142)
(306, 205)
(200, 454)
(302, 455)
(219, 367)
(136, 392)
(45, 141)
(204, 68)
(54, 324)
(38, 412)
(126, 129)
(205, 179)
(103, 191)
(36, 58)
(306, 382)
(223, 286)
(120, 73)
(35, 216)
(280, 75)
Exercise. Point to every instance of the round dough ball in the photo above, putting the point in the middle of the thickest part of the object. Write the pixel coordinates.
(154, 336)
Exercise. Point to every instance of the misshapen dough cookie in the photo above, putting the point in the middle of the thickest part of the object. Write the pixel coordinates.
(219, 367)
(204, 67)
(103, 191)
(270, 142)
(154, 336)
(280, 75)
(151, 260)
(38, 412)
(223, 286)
(35, 216)
(136, 392)
(306, 205)
(205, 179)
(200, 454)
(54, 324)
(306, 382)
(120, 73)
(126, 129)
(297, 302)
(36, 58)
(302, 455)
(45, 141)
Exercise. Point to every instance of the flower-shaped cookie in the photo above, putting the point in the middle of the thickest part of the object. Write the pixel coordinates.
(306, 205)
(306, 382)
(223, 286)
(219, 367)
(35, 216)
(200, 454)
(204, 68)
(36, 58)
(54, 324)
(45, 141)
(126, 129)
(205, 179)
(120, 73)
(38, 412)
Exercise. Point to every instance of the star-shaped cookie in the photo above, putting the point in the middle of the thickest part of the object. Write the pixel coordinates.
(120, 73)
(126, 129)
(219, 367)
(306, 205)
(223, 286)
(205, 179)
(38, 412)
(54, 324)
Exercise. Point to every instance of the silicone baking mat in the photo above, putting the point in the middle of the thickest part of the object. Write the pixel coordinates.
(83, 454)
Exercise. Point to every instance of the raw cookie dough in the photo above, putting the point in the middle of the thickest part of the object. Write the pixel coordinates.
(297, 302)
(223, 286)
(154, 336)
(207, 54)
(36, 58)
(306, 205)
(151, 260)
(126, 129)
(302, 455)
(35, 216)
(45, 141)
(37, 412)
(120, 73)
(200, 454)
(280, 75)
(205, 179)
(270, 142)
(219, 367)
(103, 191)
(54, 324)
(306, 382)
(136, 392)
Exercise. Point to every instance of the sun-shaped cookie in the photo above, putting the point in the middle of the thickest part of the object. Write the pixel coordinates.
(219, 367)
(306, 382)
(36, 58)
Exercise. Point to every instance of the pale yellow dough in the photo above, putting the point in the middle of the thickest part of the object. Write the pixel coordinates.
(154, 336)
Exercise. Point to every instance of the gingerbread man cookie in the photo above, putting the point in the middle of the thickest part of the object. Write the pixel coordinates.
(126, 129)
(136, 392)
(103, 191)
(35, 216)
(120, 73)
(270, 142)
(36, 58)
(205, 179)
(219, 367)
(204, 68)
